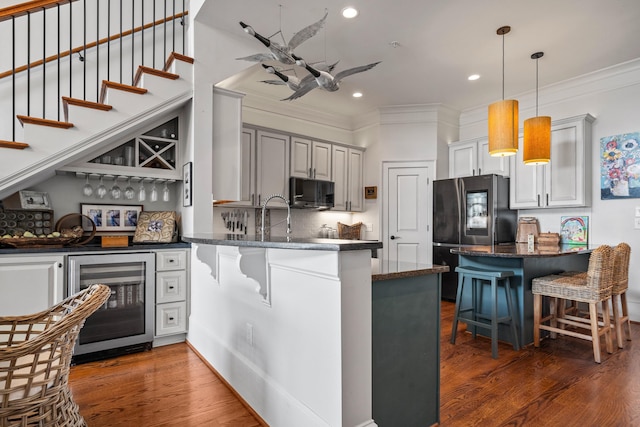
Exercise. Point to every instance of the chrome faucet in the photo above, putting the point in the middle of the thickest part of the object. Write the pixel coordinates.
(264, 207)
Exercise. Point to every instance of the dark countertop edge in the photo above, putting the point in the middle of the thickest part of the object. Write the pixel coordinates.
(92, 248)
(512, 252)
(436, 269)
(295, 243)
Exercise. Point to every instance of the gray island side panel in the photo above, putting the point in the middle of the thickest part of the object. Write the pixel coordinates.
(406, 348)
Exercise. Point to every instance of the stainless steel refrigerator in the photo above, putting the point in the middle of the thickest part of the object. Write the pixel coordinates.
(472, 210)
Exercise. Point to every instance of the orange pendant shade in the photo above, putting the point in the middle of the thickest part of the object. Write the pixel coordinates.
(537, 140)
(503, 128)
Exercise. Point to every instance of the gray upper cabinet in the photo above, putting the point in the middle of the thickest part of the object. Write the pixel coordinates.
(272, 165)
(471, 157)
(310, 159)
(565, 180)
(347, 175)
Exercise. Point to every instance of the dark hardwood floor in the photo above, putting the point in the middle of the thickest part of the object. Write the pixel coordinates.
(556, 385)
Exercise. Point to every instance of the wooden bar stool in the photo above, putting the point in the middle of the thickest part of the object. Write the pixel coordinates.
(478, 277)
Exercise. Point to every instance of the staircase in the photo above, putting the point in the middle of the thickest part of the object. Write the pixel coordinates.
(90, 125)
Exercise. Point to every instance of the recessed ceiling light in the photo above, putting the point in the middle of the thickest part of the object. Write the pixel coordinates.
(349, 12)
(473, 77)
(357, 94)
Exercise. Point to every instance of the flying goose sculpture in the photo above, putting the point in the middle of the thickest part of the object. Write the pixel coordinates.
(323, 79)
(279, 52)
(293, 82)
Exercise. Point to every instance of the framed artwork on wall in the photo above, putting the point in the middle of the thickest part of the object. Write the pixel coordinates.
(620, 166)
(111, 217)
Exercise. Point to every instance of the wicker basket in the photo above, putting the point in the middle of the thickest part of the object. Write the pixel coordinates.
(76, 233)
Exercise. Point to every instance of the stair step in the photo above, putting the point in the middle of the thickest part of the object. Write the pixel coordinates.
(119, 86)
(154, 72)
(13, 144)
(177, 56)
(44, 122)
(66, 101)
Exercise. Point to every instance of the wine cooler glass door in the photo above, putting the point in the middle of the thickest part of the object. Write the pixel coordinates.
(126, 319)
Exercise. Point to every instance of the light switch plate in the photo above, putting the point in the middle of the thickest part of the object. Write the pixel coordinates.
(637, 223)
(369, 227)
(637, 211)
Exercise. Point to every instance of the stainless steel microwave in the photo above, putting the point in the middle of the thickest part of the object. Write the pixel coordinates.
(307, 193)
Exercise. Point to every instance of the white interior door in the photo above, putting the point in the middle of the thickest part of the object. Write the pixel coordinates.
(407, 213)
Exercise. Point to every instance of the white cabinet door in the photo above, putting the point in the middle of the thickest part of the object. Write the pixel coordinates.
(463, 159)
(526, 184)
(564, 181)
(321, 161)
(488, 164)
(568, 160)
(272, 166)
(347, 176)
(301, 157)
(248, 168)
(469, 158)
(29, 284)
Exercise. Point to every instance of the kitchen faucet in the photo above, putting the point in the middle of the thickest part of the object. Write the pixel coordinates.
(264, 207)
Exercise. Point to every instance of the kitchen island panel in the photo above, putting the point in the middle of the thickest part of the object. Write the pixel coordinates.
(406, 349)
(526, 267)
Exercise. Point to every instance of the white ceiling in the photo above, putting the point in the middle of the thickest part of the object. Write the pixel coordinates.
(441, 42)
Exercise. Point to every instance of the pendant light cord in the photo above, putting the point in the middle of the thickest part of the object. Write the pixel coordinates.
(503, 67)
(537, 87)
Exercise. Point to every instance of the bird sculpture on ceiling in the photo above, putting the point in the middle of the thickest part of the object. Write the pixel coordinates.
(277, 51)
(323, 79)
(293, 82)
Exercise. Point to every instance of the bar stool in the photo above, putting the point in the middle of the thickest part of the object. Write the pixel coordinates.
(478, 277)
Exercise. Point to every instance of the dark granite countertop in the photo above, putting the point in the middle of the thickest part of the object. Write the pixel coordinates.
(520, 250)
(407, 270)
(279, 242)
(143, 247)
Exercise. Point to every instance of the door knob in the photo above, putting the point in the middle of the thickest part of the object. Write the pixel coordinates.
(394, 237)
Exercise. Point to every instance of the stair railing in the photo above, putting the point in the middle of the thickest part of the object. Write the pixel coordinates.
(61, 54)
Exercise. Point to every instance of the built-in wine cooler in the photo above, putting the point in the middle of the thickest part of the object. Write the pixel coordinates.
(125, 322)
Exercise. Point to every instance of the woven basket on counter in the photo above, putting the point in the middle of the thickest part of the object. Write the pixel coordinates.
(68, 236)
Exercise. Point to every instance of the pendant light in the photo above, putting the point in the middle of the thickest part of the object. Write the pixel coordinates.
(537, 132)
(503, 118)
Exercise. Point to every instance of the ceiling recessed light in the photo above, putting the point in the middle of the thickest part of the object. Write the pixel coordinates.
(357, 94)
(349, 12)
(473, 77)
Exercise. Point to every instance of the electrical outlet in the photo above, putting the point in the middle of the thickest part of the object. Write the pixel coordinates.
(369, 227)
(249, 334)
(637, 223)
(637, 211)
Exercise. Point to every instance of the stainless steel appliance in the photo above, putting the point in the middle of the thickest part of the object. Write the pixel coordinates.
(311, 193)
(469, 211)
(125, 322)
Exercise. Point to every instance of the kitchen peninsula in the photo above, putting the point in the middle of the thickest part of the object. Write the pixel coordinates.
(287, 322)
(526, 265)
(301, 328)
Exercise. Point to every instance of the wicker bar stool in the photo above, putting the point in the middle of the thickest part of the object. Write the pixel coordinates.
(592, 288)
(622, 254)
(479, 276)
(619, 293)
(35, 358)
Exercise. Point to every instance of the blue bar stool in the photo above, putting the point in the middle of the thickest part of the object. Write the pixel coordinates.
(478, 277)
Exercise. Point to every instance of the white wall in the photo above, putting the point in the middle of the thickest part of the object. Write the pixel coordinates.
(611, 96)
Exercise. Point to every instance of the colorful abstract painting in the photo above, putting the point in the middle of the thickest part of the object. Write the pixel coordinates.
(574, 230)
(620, 166)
